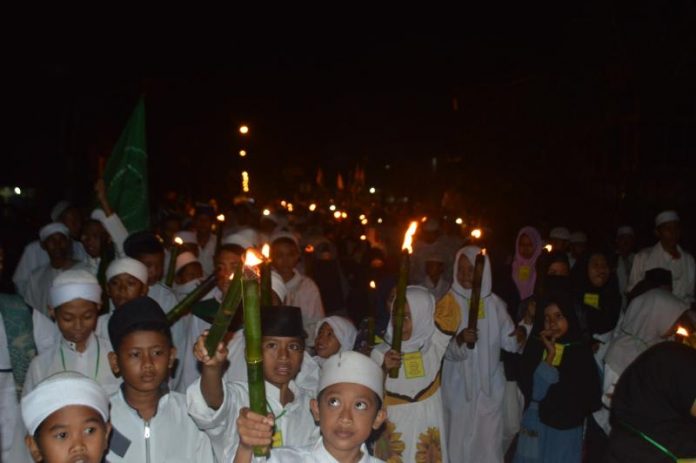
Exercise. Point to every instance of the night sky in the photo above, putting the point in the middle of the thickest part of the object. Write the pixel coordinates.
(582, 115)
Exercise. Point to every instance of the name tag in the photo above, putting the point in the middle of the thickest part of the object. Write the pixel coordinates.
(413, 365)
(558, 358)
(592, 300)
(481, 311)
(277, 439)
(524, 272)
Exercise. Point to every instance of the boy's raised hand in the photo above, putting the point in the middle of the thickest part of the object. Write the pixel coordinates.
(201, 353)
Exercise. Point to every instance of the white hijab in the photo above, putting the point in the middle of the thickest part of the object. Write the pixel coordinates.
(422, 305)
(343, 329)
(647, 319)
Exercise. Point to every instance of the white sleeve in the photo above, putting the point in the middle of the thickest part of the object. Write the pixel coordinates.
(455, 352)
(46, 333)
(508, 340)
(114, 226)
(22, 272)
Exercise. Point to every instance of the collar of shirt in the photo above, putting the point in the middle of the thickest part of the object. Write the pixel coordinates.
(319, 450)
(91, 343)
(273, 396)
(161, 404)
(294, 282)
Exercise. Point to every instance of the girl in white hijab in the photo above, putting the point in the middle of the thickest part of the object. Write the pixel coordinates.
(473, 380)
(334, 334)
(415, 428)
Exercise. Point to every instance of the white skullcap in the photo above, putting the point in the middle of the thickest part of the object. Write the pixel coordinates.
(560, 233)
(127, 265)
(187, 236)
(352, 367)
(284, 234)
(251, 235)
(62, 390)
(666, 216)
(578, 237)
(97, 214)
(183, 259)
(278, 285)
(238, 239)
(74, 284)
(343, 329)
(58, 209)
(624, 230)
(52, 228)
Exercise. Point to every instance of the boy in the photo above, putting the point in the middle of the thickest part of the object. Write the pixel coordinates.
(188, 272)
(348, 409)
(75, 300)
(150, 423)
(214, 404)
(302, 291)
(67, 417)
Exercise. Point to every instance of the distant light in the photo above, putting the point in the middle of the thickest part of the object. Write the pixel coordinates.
(332, 208)
(245, 181)
(266, 212)
(178, 241)
(344, 215)
(242, 153)
(244, 129)
(476, 233)
(312, 207)
(372, 190)
(309, 249)
(363, 221)
(337, 214)
(283, 203)
(548, 248)
(221, 217)
(18, 191)
(373, 285)
(362, 217)
(363, 237)
(290, 207)
(424, 218)
(379, 220)
(459, 221)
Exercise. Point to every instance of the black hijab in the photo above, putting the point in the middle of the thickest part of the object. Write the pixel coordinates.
(601, 319)
(654, 396)
(577, 392)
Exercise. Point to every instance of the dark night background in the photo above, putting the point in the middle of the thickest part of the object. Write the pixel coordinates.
(581, 115)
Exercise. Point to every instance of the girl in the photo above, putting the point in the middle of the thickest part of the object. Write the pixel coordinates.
(415, 430)
(560, 382)
(334, 334)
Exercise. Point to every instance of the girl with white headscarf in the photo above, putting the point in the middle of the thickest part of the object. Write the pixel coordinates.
(415, 428)
(473, 380)
(334, 334)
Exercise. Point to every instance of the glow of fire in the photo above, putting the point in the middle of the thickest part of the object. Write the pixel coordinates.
(344, 215)
(312, 207)
(309, 249)
(252, 258)
(245, 181)
(681, 331)
(266, 251)
(332, 208)
(283, 203)
(362, 217)
(483, 251)
(178, 241)
(290, 207)
(337, 214)
(363, 221)
(424, 218)
(548, 248)
(363, 237)
(373, 285)
(266, 212)
(476, 233)
(379, 220)
(221, 218)
(408, 237)
(231, 276)
(459, 221)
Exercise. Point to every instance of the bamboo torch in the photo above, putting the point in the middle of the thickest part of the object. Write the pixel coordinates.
(475, 300)
(252, 335)
(265, 268)
(400, 302)
(184, 306)
(171, 269)
(372, 315)
(226, 312)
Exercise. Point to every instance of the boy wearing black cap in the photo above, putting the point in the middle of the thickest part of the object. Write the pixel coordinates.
(150, 423)
(214, 405)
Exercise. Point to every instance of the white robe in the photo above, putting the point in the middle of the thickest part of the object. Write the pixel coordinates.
(168, 437)
(33, 257)
(623, 273)
(9, 407)
(683, 270)
(304, 293)
(440, 289)
(296, 425)
(93, 363)
(206, 255)
(316, 453)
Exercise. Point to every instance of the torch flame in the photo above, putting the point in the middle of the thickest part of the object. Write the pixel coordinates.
(548, 248)
(266, 251)
(424, 218)
(309, 249)
(408, 237)
(483, 251)
(252, 258)
(221, 218)
(231, 276)
(312, 207)
(476, 233)
(178, 241)
(373, 285)
(681, 331)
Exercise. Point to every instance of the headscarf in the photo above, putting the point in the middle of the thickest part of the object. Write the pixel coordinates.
(526, 286)
(343, 329)
(647, 319)
(601, 319)
(654, 396)
(470, 252)
(422, 305)
(577, 392)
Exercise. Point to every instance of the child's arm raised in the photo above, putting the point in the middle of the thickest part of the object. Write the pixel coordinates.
(211, 373)
(253, 430)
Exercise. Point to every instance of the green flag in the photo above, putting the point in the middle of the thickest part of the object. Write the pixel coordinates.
(125, 174)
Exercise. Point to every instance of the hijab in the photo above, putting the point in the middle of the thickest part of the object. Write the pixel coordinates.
(601, 306)
(422, 305)
(525, 285)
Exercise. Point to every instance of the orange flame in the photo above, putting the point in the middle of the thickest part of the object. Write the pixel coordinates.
(221, 218)
(476, 233)
(408, 237)
(252, 258)
(266, 251)
(548, 248)
(373, 285)
(178, 241)
(681, 331)
(309, 249)
(483, 251)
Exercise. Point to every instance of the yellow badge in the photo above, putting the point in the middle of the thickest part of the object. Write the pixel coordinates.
(686, 460)
(558, 357)
(413, 365)
(481, 311)
(592, 300)
(277, 439)
(524, 272)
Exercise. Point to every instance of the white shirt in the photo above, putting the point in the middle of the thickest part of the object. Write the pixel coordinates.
(294, 421)
(168, 437)
(33, 257)
(683, 270)
(304, 293)
(316, 453)
(206, 255)
(9, 408)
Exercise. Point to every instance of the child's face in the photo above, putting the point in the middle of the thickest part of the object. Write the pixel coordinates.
(669, 233)
(525, 247)
(76, 319)
(72, 434)
(434, 269)
(57, 246)
(93, 235)
(326, 343)
(226, 262)
(155, 266)
(347, 413)
(143, 360)
(407, 327)
(558, 269)
(465, 272)
(598, 270)
(124, 288)
(284, 257)
(190, 272)
(555, 321)
(282, 358)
